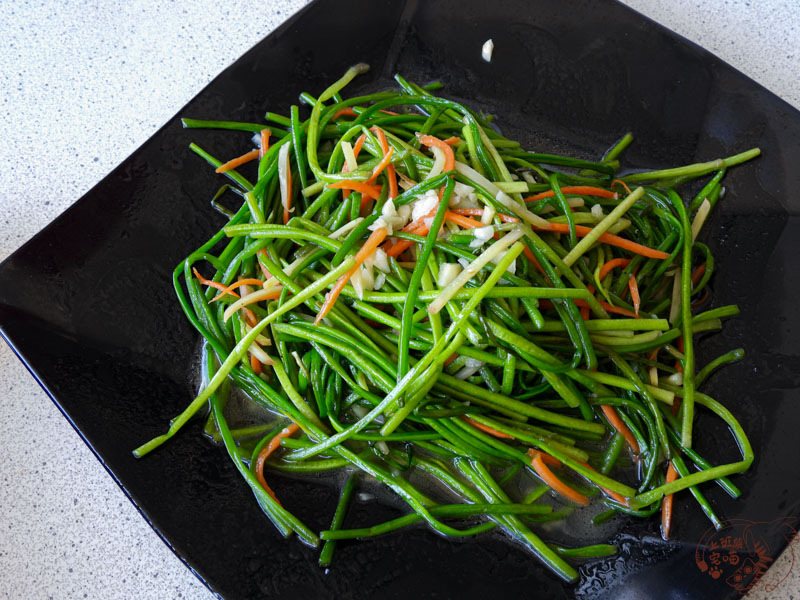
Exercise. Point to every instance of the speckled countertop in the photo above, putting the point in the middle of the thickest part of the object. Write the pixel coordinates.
(84, 84)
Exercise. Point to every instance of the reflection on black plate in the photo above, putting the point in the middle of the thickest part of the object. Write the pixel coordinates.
(119, 363)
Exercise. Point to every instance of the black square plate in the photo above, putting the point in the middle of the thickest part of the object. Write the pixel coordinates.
(569, 77)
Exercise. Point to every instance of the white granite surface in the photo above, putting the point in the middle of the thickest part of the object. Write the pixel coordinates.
(83, 85)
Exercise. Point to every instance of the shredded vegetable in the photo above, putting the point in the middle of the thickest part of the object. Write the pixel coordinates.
(408, 291)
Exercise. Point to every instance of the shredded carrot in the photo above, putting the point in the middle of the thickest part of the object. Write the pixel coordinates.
(478, 212)
(265, 453)
(578, 190)
(373, 241)
(264, 270)
(209, 282)
(698, 273)
(359, 143)
(623, 184)
(399, 248)
(385, 162)
(634, 288)
(607, 238)
(238, 161)
(418, 227)
(580, 303)
(614, 262)
(679, 344)
(666, 506)
(265, 133)
(250, 317)
(702, 299)
(585, 313)
(235, 284)
(538, 464)
(529, 255)
(451, 358)
(366, 189)
(389, 112)
(288, 208)
(610, 493)
(487, 429)
(272, 296)
(391, 174)
(255, 364)
(618, 424)
(611, 308)
(452, 141)
(344, 112)
(449, 158)
(465, 222)
(548, 459)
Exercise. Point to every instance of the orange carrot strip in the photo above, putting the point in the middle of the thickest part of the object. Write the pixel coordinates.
(478, 212)
(666, 506)
(235, 284)
(487, 429)
(265, 454)
(250, 317)
(548, 459)
(373, 241)
(619, 425)
(610, 493)
(264, 270)
(465, 222)
(580, 302)
(389, 112)
(702, 299)
(451, 358)
(608, 238)
(554, 482)
(449, 158)
(365, 189)
(613, 309)
(417, 227)
(529, 255)
(579, 190)
(452, 141)
(385, 162)
(623, 184)
(698, 273)
(265, 133)
(399, 248)
(255, 364)
(585, 313)
(273, 296)
(391, 175)
(244, 158)
(634, 288)
(344, 112)
(209, 282)
(614, 262)
(359, 143)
